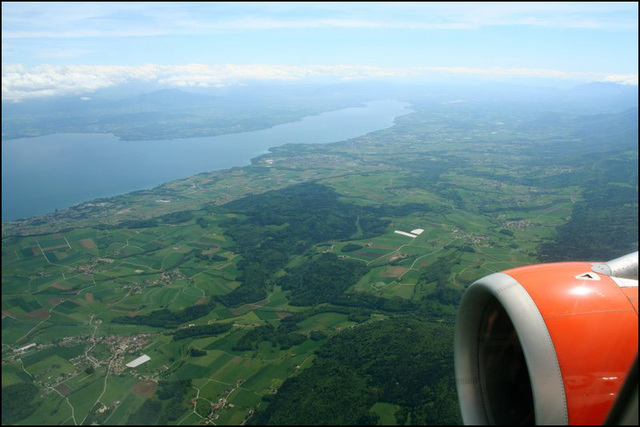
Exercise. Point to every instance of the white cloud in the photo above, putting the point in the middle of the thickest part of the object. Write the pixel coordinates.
(22, 20)
(19, 82)
(62, 53)
(624, 79)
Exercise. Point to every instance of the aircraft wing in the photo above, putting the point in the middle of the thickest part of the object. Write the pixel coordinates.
(547, 344)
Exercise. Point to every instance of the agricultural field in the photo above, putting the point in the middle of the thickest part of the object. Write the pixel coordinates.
(241, 284)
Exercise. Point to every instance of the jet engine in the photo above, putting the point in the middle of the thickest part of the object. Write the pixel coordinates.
(548, 343)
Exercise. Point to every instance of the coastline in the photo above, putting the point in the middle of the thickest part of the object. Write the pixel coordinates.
(255, 153)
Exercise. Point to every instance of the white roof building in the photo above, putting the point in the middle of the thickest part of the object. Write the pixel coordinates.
(404, 233)
(27, 347)
(139, 361)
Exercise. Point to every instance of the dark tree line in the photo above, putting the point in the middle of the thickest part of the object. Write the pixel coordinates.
(202, 331)
(284, 337)
(165, 318)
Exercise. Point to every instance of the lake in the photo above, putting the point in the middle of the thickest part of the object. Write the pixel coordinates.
(57, 171)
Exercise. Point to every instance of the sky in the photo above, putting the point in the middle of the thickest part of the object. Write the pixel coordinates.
(58, 48)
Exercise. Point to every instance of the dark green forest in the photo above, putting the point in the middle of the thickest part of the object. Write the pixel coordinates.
(17, 402)
(404, 361)
(321, 279)
(167, 406)
(605, 224)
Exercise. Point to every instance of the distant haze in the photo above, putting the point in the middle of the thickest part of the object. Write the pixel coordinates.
(60, 49)
(20, 83)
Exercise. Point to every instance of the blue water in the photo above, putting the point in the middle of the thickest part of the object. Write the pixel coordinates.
(51, 172)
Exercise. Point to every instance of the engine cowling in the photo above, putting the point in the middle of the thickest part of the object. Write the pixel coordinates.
(546, 344)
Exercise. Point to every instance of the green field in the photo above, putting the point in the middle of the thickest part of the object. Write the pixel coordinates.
(289, 255)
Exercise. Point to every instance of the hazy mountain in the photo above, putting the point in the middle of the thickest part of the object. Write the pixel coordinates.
(198, 112)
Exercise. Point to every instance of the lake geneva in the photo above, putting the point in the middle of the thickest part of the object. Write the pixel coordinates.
(56, 171)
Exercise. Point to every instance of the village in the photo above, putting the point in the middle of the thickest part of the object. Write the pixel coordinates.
(121, 348)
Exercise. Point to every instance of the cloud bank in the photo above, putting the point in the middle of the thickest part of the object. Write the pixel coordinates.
(20, 83)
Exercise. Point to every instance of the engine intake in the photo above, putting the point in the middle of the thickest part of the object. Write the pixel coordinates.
(545, 344)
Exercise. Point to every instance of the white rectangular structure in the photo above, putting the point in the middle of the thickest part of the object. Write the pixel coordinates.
(27, 347)
(139, 361)
(404, 233)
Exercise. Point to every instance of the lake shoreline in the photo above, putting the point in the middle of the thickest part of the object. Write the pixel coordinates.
(51, 181)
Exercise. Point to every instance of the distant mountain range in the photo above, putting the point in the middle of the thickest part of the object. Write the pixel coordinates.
(173, 113)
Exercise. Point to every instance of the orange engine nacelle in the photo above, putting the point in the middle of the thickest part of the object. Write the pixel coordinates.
(547, 344)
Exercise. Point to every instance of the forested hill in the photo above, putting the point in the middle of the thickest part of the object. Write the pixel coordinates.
(604, 224)
(402, 363)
